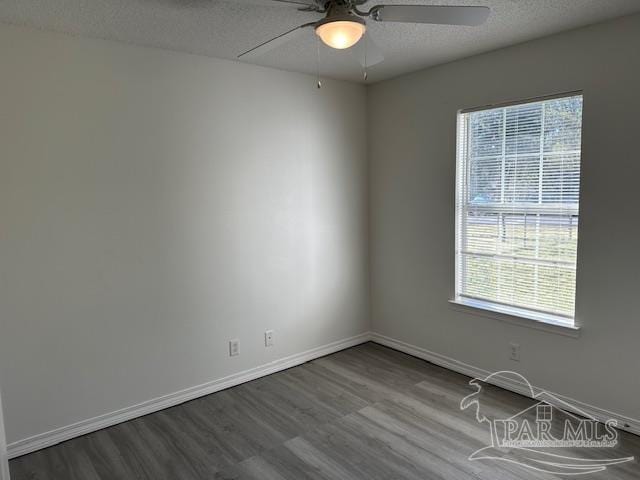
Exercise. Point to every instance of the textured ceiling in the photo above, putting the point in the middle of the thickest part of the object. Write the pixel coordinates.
(224, 29)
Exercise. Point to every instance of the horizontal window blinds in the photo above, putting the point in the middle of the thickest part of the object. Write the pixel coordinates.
(517, 205)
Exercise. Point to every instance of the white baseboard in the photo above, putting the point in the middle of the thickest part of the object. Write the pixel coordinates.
(624, 423)
(53, 437)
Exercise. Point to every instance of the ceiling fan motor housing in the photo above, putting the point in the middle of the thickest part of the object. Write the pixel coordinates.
(338, 10)
(340, 14)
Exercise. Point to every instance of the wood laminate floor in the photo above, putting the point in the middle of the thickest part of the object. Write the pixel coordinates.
(364, 413)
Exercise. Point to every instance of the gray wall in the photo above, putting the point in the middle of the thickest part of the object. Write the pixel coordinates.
(412, 145)
(155, 205)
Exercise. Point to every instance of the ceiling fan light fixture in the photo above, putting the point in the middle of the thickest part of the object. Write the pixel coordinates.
(341, 33)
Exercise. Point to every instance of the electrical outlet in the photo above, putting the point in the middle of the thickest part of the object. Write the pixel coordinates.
(268, 338)
(515, 352)
(234, 348)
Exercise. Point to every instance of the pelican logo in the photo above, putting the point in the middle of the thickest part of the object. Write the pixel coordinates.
(544, 436)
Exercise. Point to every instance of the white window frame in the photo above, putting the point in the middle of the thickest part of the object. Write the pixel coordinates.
(512, 314)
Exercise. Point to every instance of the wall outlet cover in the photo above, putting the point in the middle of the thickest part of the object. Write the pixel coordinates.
(514, 351)
(268, 338)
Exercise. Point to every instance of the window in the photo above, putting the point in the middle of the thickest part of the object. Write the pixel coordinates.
(518, 179)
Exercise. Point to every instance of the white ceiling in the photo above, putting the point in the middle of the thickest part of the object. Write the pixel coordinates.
(224, 29)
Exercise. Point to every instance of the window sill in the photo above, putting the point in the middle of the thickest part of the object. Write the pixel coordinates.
(544, 322)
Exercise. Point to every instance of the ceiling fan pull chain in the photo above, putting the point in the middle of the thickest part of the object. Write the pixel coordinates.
(366, 42)
(318, 62)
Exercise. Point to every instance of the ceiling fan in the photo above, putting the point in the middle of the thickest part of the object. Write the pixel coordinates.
(344, 24)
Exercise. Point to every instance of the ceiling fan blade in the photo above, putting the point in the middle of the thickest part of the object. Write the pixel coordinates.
(436, 14)
(272, 3)
(367, 52)
(275, 42)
